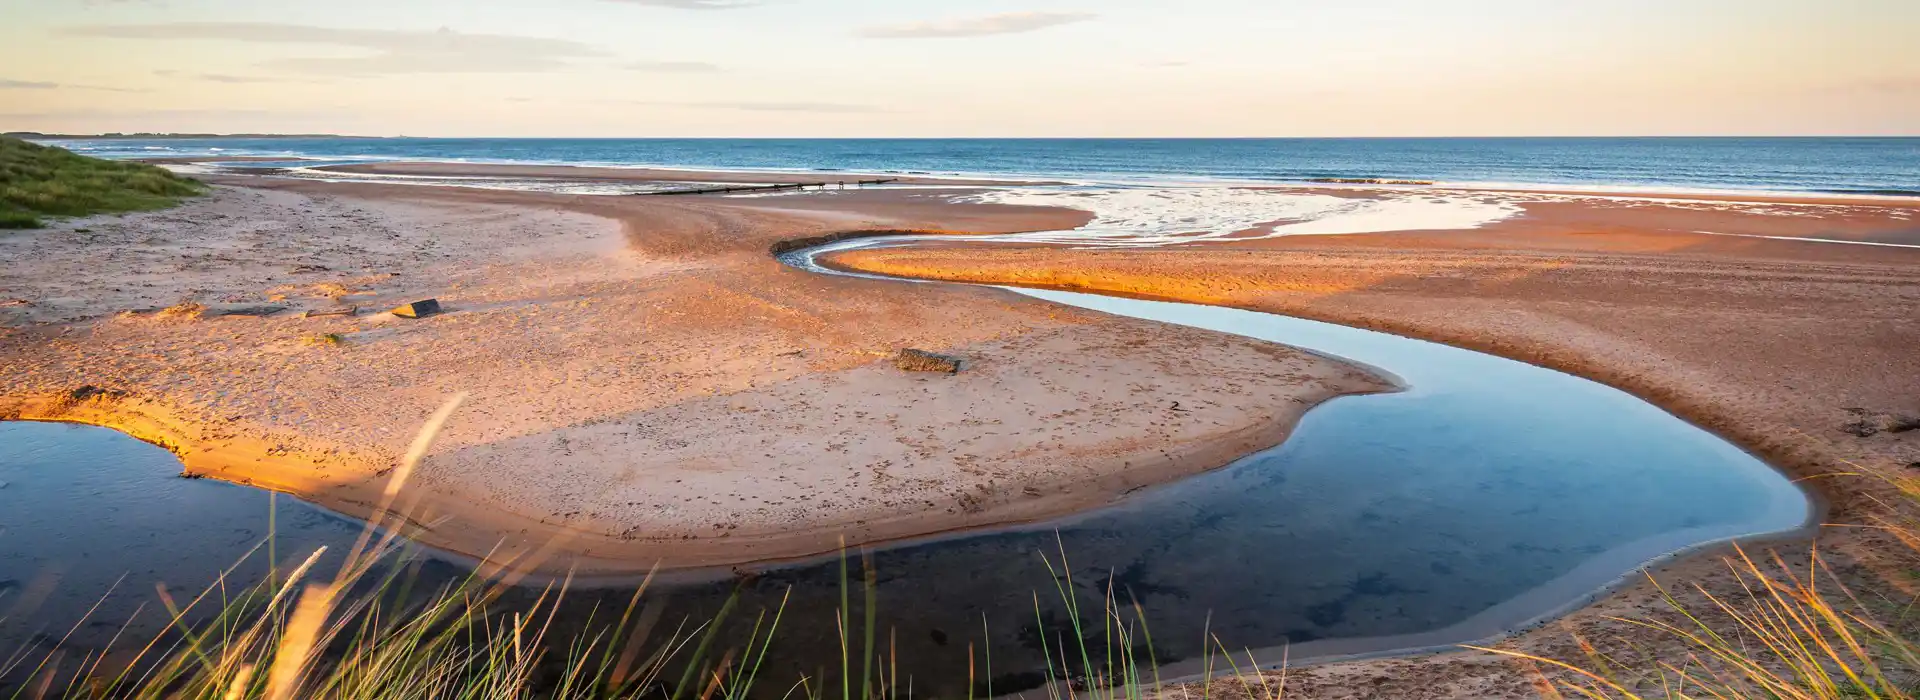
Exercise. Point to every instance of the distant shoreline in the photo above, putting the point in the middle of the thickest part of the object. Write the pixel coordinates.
(637, 173)
(1721, 166)
(33, 135)
(1617, 137)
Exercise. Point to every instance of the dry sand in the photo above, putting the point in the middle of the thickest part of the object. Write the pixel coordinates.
(1788, 348)
(648, 384)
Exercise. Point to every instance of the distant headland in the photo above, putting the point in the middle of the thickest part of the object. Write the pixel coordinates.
(147, 135)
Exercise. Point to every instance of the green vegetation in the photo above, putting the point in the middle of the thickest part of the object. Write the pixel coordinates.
(37, 181)
(10, 218)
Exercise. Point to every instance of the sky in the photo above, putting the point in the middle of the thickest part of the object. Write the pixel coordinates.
(993, 68)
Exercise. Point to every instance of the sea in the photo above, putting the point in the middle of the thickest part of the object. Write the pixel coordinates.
(1885, 166)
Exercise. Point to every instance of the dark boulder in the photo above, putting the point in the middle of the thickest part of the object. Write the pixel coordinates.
(418, 309)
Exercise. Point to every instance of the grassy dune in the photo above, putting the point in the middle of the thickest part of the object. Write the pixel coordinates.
(38, 181)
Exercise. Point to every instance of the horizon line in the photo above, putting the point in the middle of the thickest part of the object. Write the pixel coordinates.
(264, 134)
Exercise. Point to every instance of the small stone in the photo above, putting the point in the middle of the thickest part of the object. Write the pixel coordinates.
(1890, 423)
(1868, 424)
(336, 311)
(89, 392)
(1859, 429)
(912, 360)
(418, 309)
(254, 311)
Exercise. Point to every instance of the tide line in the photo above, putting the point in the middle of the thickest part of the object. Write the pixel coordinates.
(1810, 240)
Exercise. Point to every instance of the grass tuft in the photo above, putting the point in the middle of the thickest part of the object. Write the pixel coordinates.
(11, 219)
(38, 181)
(1791, 631)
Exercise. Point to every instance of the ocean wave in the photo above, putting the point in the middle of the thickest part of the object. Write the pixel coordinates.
(1367, 181)
(1876, 192)
(1149, 217)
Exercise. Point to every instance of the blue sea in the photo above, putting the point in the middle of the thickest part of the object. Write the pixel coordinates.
(1885, 166)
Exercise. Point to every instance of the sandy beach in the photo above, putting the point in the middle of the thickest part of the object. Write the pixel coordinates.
(785, 349)
(1798, 351)
(648, 385)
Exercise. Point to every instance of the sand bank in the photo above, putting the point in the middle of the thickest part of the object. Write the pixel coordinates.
(649, 385)
(1786, 347)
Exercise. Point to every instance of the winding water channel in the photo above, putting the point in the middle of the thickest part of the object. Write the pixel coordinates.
(1487, 496)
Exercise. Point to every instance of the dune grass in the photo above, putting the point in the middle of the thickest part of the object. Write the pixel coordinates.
(1795, 633)
(39, 181)
(1790, 636)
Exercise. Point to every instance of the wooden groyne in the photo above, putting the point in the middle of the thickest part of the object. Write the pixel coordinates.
(730, 189)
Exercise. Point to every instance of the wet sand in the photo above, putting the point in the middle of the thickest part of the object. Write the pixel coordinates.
(1796, 350)
(648, 384)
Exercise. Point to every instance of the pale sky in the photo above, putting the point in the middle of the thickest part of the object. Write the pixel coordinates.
(976, 68)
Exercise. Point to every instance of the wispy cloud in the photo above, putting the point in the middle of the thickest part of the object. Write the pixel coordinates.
(10, 84)
(235, 79)
(394, 51)
(1894, 85)
(225, 78)
(815, 107)
(137, 114)
(696, 4)
(673, 67)
(751, 106)
(1009, 23)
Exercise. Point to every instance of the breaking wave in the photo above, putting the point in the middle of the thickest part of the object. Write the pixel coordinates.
(1146, 217)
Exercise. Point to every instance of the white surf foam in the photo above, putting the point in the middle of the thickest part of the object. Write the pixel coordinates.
(1144, 217)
